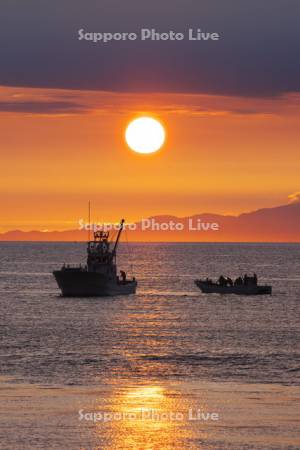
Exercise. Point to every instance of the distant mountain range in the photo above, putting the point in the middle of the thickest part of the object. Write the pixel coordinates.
(279, 224)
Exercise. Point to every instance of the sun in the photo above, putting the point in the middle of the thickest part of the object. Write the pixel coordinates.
(145, 135)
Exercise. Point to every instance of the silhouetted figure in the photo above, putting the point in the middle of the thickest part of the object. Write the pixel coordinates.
(229, 281)
(123, 275)
(222, 281)
(255, 279)
(238, 281)
(246, 280)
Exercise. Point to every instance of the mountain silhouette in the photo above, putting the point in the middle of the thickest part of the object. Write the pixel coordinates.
(278, 224)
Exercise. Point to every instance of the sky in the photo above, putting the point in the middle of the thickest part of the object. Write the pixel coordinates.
(231, 110)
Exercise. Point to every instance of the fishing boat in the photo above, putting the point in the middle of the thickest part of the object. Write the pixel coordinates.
(209, 287)
(99, 276)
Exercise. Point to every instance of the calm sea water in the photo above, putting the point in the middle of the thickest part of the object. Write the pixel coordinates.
(168, 336)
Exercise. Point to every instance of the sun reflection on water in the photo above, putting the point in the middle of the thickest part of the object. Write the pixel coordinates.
(146, 417)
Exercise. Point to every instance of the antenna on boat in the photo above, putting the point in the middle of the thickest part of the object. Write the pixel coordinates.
(89, 232)
(129, 251)
(118, 237)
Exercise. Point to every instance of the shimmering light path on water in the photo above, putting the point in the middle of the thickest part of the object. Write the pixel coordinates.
(167, 349)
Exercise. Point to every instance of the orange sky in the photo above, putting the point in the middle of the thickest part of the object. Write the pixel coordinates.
(60, 148)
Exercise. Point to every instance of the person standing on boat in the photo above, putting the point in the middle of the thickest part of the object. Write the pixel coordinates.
(255, 279)
(123, 276)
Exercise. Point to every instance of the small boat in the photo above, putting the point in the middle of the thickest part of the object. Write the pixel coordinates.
(209, 287)
(99, 276)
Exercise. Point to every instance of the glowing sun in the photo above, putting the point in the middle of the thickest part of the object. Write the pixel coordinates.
(145, 135)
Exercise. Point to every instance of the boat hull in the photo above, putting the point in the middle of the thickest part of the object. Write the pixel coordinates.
(80, 283)
(208, 288)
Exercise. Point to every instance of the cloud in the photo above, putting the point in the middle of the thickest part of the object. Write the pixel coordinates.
(295, 197)
(257, 55)
(66, 102)
(37, 107)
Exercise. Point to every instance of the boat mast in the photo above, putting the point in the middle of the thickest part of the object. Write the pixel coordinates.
(118, 237)
(89, 232)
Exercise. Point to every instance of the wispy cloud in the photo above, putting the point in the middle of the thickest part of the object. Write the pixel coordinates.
(48, 107)
(67, 102)
(295, 197)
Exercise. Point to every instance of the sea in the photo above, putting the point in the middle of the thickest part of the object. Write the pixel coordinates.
(166, 368)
